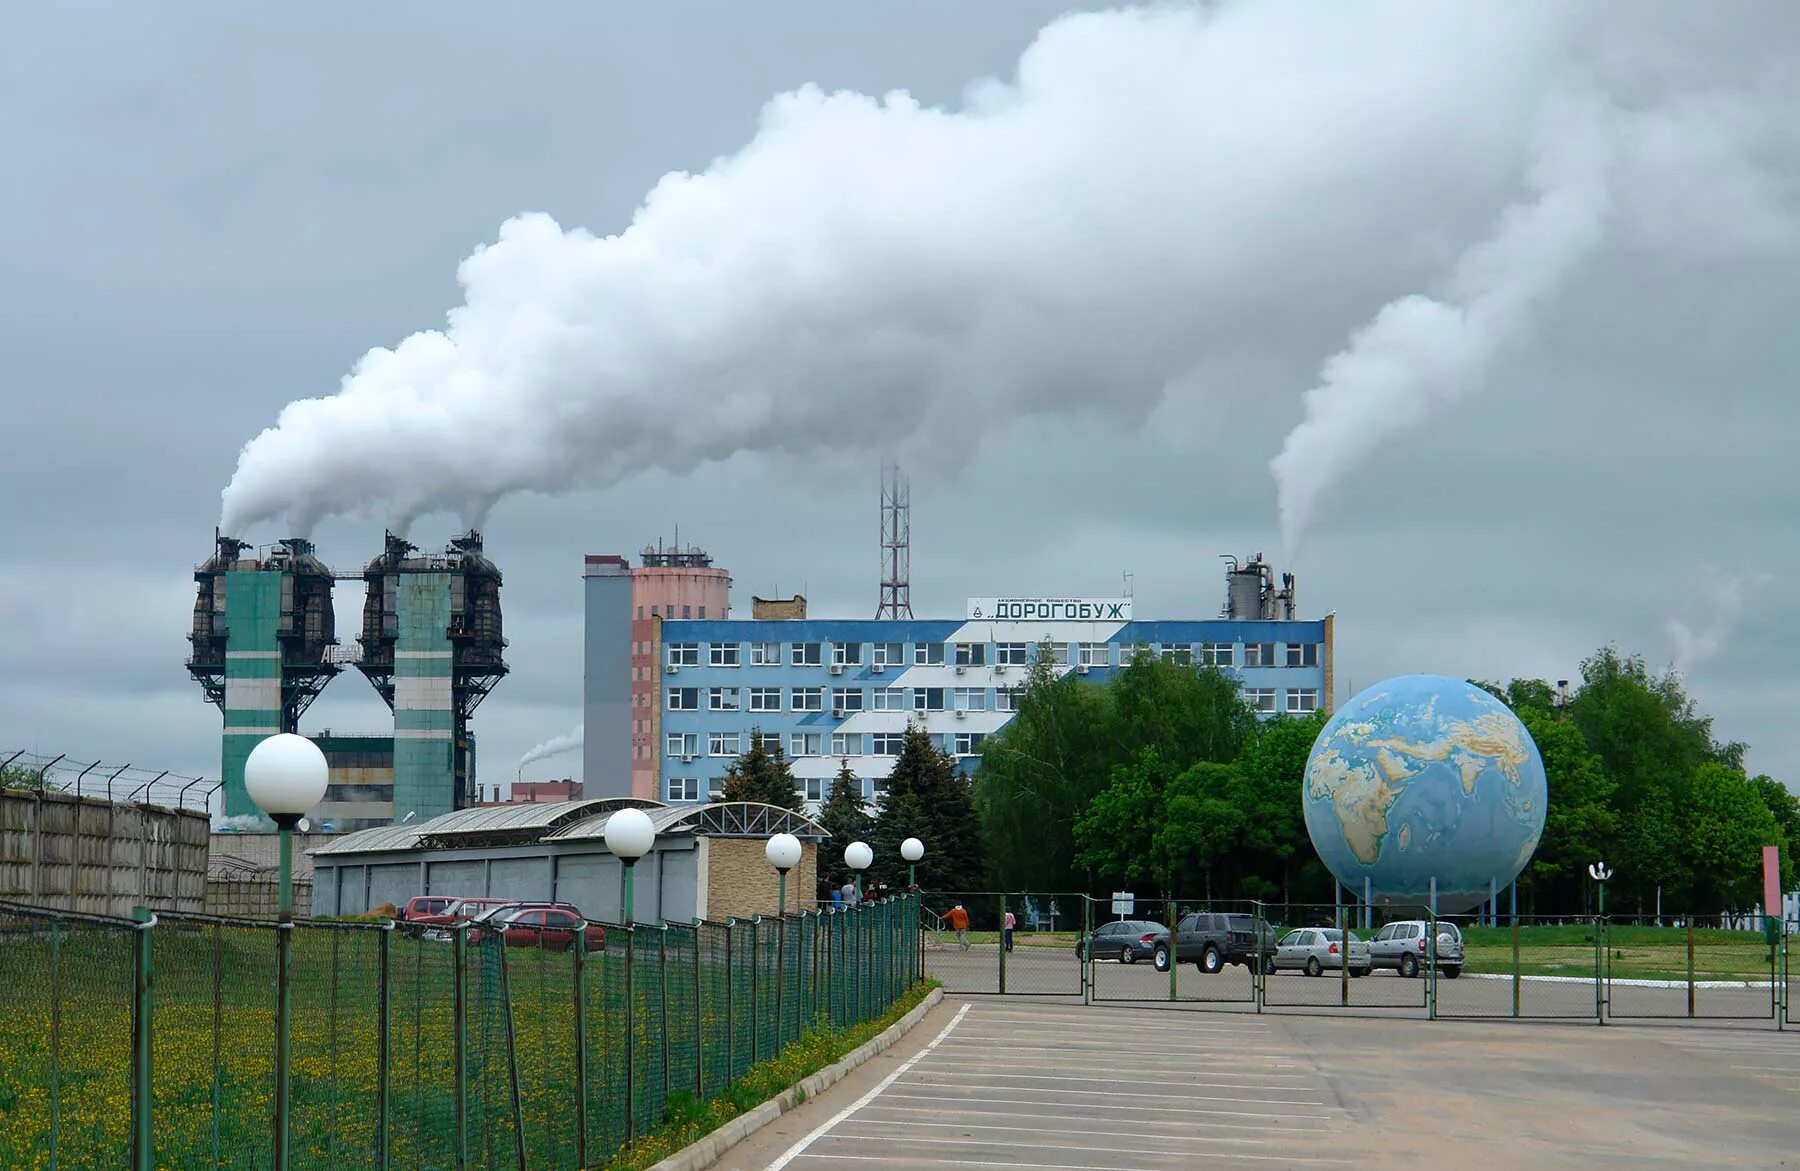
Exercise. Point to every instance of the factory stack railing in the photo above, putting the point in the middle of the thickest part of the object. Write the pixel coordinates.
(149, 1042)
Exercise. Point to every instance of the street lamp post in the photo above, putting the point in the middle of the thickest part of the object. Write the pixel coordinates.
(912, 849)
(783, 853)
(285, 775)
(629, 835)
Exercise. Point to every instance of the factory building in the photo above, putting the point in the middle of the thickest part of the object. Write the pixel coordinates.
(262, 633)
(837, 690)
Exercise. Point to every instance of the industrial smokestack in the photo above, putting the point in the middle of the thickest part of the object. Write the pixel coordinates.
(1153, 189)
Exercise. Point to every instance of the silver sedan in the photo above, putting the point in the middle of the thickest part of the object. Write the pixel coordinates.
(1316, 949)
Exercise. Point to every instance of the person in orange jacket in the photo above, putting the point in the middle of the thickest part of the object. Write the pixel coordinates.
(959, 923)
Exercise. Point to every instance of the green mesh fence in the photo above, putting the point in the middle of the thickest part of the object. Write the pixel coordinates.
(409, 1049)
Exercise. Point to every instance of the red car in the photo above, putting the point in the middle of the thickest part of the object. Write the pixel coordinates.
(552, 928)
(428, 908)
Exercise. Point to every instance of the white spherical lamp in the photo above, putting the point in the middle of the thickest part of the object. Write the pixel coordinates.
(629, 834)
(783, 852)
(858, 856)
(912, 849)
(286, 776)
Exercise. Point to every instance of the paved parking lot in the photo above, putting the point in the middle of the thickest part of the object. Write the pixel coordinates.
(1020, 1083)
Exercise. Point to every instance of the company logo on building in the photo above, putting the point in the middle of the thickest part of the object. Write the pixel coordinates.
(1052, 609)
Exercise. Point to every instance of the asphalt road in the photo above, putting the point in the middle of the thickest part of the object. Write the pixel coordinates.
(1055, 971)
(1022, 1083)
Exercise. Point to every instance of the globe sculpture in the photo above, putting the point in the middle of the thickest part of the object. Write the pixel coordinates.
(1424, 777)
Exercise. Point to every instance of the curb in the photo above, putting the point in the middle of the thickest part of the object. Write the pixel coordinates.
(707, 1150)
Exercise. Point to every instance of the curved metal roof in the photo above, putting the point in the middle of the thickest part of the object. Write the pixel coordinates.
(508, 818)
(378, 839)
(721, 819)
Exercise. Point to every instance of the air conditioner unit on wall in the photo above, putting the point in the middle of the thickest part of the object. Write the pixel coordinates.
(674, 668)
(961, 714)
(879, 669)
(837, 668)
(837, 713)
(1082, 669)
(688, 758)
(1000, 669)
(961, 670)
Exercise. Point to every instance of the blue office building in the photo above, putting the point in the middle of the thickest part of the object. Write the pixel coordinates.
(846, 689)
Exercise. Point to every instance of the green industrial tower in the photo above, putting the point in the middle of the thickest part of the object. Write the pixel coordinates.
(262, 637)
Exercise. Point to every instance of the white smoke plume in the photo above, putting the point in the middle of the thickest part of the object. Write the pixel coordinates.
(555, 746)
(1150, 189)
(1726, 595)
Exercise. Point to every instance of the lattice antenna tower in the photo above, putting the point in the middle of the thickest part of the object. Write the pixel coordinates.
(896, 544)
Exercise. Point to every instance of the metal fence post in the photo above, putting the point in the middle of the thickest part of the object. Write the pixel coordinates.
(580, 995)
(630, 1035)
(459, 953)
(730, 1018)
(1259, 979)
(384, 1040)
(55, 1035)
(284, 949)
(1690, 966)
(662, 999)
(1002, 948)
(699, 1029)
(1602, 971)
(755, 963)
(1087, 950)
(143, 1151)
(512, 1049)
(1344, 959)
(1431, 955)
(1515, 965)
(780, 978)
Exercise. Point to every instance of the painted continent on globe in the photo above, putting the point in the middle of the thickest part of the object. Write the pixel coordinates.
(1424, 777)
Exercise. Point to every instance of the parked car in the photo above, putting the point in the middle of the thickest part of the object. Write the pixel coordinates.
(487, 918)
(552, 928)
(436, 926)
(1403, 946)
(1212, 939)
(420, 908)
(1128, 941)
(1314, 949)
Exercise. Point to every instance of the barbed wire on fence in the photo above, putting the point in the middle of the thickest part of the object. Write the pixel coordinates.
(128, 782)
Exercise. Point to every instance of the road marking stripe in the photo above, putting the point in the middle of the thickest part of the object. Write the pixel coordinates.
(1105, 1106)
(942, 1063)
(1236, 1055)
(1023, 1147)
(1139, 1096)
(915, 1161)
(1059, 1115)
(1136, 1081)
(865, 1120)
(885, 1082)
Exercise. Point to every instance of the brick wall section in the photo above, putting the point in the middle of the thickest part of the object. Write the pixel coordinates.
(99, 857)
(778, 608)
(741, 883)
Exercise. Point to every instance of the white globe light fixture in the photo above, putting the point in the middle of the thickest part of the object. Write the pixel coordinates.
(285, 775)
(629, 835)
(783, 853)
(912, 849)
(858, 856)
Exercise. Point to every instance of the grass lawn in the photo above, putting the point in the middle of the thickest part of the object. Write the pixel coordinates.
(1636, 953)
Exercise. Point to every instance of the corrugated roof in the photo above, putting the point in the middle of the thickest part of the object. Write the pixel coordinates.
(729, 818)
(508, 818)
(376, 840)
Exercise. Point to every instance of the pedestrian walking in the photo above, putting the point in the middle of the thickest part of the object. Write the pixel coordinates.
(849, 894)
(959, 923)
(1006, 934)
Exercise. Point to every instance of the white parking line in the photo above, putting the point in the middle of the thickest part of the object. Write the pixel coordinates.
(1088, 1106)
(976, 1142)
(885, 1082)
(916, 1161)
(1085, 1132)
(1128, 1094)
(942, 1062)
(1236, 1054)
(950, 1071)
(1185, 1124)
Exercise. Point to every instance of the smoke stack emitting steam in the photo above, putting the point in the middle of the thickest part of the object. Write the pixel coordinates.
(1150, 188)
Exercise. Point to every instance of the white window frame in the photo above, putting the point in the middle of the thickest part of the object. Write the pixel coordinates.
(764, 699)
(1302, 701)
(808, 654)
(809, 699)
(722, 699)
(969, 699)
(1260, 654)
(815, 789)
(765, 654)
(928, 654)
(1297, 654)
(725, 744)
(1258, 697)
(886, 743)
(1096, 654)
(1218, 654)
(922, 699)
(847, 699)
(891, 699)
(846, 744)
(688, 790)
(683, 654)
(971, 654)
(682, 744)
(967, 743)
(676, 706)
(1012, 654)
(725, 654)
(715, 786)
(1179, 653)
(888, 654)
(804, 744)
(1006, 699)
(846, 654)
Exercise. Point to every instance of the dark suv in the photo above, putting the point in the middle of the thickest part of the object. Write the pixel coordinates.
(1212, 939)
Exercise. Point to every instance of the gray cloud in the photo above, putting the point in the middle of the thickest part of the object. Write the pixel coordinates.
(217, 219)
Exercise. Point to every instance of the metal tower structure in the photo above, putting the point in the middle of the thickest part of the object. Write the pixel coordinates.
(896, 544)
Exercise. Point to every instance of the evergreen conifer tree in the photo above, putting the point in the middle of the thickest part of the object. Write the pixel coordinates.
(927, 799)
(846, 818)
(762, 773)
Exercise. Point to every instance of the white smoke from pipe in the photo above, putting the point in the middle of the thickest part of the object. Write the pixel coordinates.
(1153, 189)
(555, 746)
(1726, 596)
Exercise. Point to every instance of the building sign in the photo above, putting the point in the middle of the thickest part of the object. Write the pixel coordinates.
(1052, 609)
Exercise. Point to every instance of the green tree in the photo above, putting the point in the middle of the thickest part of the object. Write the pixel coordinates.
(846, 818)
(1121, 835)
(1727, 825)
(1784, 807)
(1580, 823)
(14, 777)
(929, 800)
(1278, 860)
(762, 773)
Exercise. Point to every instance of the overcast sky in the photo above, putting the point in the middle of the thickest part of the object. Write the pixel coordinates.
(210, 212)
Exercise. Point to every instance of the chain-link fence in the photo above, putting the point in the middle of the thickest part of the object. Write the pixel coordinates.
(1677, 968)
(154, 1042)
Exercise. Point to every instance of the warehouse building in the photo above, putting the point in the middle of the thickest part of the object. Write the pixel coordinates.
(680, 698)
(708, 860)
